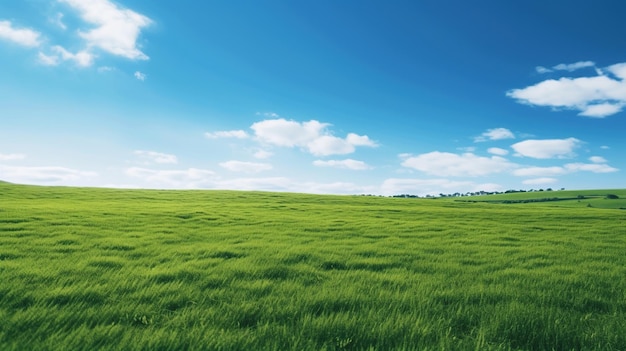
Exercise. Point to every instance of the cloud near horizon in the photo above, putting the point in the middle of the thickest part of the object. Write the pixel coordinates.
(312, 136)
(547, 148)
(343, 164)
(246, 167)
(597, 96)
(447, 164)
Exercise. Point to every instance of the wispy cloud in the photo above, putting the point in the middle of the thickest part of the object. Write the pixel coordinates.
(263, 154)
(447, 164)
(597, 159)
(43, 175)
(184, 179)
(597, 96)
(312, 136)
(547, 148)
(245, 167)
(239, 134)
(343, 164)
(156, 157)
(21, 36)
(571, 67)
(565, 169)
(11, 157)
(497, 151)
(82, 58)
(540, 181)
(140, 76)
(495, 134)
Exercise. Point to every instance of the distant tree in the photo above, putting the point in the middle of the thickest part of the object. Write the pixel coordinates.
(612, 196)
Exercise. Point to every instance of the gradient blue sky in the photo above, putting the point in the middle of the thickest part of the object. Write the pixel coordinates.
(346, 97)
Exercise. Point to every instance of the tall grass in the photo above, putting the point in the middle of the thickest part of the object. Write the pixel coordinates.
(84, 269)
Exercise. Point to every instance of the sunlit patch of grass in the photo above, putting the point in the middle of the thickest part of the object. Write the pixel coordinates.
(104, 269)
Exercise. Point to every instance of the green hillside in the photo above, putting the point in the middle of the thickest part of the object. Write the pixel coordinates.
(608, 198)
(108, 269)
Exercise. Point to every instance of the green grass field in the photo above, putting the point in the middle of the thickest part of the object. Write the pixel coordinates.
(86, 269)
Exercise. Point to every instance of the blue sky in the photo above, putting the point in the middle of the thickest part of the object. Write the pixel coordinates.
(341, 97)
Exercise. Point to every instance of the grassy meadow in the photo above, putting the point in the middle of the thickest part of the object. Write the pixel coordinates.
(107, 269)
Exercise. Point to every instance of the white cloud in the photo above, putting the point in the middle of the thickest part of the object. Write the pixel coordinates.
(140, 76)
(116, 29)
(48, 60)
(597, 159)
(542, 70)
(598, 96)
(604, 147)
(246, 167)
(239, 134)
(590, 167)
(58, 20)
(497, 151)
(82, 58)
(312, 136)
(282, 132)
(571, 67)
(42, 175)
(181, 179)
(574, 66)
(453, 165)
(548, 148)
(566, 169)
(344, 164)
(22, 36)
(12, 157)
(156, 157)
(495, 134)
(540, 181)
(263, 154)
(602, 110)
(539, 171)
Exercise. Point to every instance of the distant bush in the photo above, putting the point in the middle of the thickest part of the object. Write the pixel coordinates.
(612, 196)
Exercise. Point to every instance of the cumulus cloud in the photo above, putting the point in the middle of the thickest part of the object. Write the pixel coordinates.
(597, 159)
(312, 136)
(547, 148)
(495, 134)
(454, 165)
(42, 175)
(239, 134)
(11, 157)
(246, 167)
(597, 96)
(21, 36)
(155, 157)
(116, 28)
(497, 151)
(181, 179)
(344, 164)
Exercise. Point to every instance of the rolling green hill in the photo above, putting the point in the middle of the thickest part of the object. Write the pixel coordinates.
(608, 198)
(108, 269)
